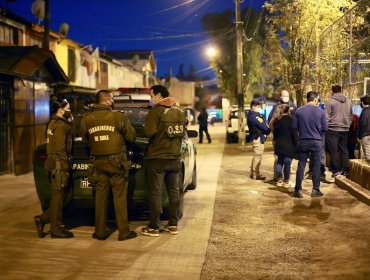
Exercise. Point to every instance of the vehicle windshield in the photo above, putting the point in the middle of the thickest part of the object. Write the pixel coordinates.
(137, 117)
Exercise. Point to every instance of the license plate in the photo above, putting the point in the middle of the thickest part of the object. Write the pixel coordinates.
(85, 184)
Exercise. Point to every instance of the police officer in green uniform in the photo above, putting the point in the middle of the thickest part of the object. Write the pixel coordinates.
(107, 132)
(165, 126)
(59, 145)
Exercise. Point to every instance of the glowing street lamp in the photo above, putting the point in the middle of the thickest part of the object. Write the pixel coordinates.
(211, 52)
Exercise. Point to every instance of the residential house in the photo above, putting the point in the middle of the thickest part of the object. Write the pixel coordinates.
(27, 76)
(141, 61)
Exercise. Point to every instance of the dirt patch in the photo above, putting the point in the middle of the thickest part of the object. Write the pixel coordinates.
(259, 232)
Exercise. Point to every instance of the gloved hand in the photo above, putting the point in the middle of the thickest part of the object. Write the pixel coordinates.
(70, 158)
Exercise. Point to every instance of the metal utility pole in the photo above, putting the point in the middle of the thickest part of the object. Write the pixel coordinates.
(46, 42)
(239, 73)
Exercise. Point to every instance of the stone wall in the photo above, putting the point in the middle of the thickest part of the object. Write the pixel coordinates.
(359, 172)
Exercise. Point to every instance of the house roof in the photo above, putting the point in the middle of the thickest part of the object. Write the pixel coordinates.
(129, 54)
(27, 61)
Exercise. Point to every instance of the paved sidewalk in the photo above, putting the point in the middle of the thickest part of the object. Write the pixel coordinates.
(25, 256)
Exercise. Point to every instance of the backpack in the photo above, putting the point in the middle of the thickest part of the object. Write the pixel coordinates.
(173, 119)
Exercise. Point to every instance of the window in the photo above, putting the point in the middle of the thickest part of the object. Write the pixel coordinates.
(103, 67)
(71, 64)
(34, 41)
(8, 35)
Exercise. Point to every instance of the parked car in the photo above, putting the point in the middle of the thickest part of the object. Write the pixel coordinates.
(232, 124)
(81, 192)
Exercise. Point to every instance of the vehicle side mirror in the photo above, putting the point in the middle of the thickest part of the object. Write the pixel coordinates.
(192, 133)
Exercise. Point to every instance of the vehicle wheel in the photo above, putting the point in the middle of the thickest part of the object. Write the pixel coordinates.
(180, 210)
(193, 184)
(229, 138)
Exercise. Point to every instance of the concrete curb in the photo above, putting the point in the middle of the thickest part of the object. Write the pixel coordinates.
(353, 188)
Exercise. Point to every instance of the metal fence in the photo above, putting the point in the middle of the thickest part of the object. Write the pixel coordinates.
(344, 52)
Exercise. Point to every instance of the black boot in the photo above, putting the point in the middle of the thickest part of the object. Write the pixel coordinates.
(39, 224)
(62, 234)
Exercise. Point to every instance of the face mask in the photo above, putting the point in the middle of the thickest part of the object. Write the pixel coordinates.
(258, 110)
(67, 114)
(285, 99)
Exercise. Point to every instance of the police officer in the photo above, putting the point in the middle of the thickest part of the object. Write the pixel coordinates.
(59, 144)
(107, 133)
(165, 126)
(258, 131)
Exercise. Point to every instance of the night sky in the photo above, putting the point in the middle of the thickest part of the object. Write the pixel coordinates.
(171, 28)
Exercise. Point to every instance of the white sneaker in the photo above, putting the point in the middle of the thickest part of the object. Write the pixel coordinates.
(279, 183)
(287, 184)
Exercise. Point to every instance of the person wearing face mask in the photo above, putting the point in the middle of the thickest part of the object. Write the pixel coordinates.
(258, 131)
(59, 145)
(310, 123)
(107, 133)
(364, 126)
(284, 99)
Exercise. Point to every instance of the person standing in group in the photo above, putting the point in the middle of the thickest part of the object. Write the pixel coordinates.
(352, 139)
(108, 133)
(284, 100)
(258, 131)
(310, 122)
(58, 146)
(165, 127)
(203, 126)
(286, 140)
(339, 117)
(364, 126)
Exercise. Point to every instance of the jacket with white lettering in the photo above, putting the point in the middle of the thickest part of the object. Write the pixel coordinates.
(59, 140)
(107, 131)
(160, 145)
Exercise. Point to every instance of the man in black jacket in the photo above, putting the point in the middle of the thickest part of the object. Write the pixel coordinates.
(203, 126)
(364, 126)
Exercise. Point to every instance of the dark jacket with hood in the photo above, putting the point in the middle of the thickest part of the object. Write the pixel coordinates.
(364, 123)
(257, 127)
(286, 139)
(160, 145)
(338, 112)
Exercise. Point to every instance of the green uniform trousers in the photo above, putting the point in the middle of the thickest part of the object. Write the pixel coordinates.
(110, 177)
(54, 214)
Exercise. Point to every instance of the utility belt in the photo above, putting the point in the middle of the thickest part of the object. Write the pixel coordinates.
(120, 160)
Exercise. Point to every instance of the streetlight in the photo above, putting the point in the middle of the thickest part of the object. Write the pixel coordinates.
(211, 52)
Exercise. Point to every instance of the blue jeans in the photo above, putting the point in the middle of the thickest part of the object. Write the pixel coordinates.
(286, 162)
(305, 149)
(322, 159)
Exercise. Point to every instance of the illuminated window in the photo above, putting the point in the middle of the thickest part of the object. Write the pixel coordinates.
(71, 64)
(8, 34)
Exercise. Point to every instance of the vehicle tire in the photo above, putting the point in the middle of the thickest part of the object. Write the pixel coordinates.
(229, 138)
(193, 184)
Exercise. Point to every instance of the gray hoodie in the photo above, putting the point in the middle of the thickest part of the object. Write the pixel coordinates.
(339, 112)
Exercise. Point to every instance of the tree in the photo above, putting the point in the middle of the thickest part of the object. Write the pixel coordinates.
(293, 37)
(181, 72)
(220, 27)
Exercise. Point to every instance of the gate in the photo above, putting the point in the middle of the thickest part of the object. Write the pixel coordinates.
(4, 127)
